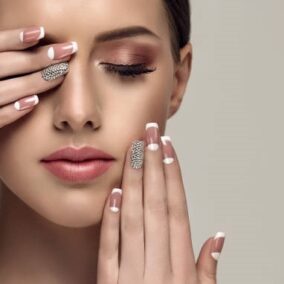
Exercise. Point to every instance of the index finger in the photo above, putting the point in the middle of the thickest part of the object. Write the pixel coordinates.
(22, 38)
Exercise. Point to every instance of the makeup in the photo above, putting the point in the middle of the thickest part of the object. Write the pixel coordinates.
(127, 58)
(78, 165)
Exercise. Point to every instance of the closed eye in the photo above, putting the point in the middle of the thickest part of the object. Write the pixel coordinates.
(127, 70)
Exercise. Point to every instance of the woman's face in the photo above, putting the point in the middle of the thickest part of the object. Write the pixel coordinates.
(92, 107)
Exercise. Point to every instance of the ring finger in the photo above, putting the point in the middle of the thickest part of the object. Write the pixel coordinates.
(132, 222)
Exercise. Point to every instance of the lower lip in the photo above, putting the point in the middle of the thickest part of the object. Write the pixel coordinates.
(78, 171)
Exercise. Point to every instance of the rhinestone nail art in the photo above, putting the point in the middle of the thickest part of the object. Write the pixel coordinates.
(54, 71)
(137, 154)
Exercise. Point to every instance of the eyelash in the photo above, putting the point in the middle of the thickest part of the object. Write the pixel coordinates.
(128, 70)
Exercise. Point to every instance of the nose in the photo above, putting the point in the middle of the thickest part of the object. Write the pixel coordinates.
(77, 107)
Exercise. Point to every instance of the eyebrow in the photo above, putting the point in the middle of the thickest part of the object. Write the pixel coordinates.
(125, 32)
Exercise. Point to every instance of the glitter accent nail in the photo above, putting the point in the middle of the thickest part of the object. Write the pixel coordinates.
(54, 71)
(137, 154)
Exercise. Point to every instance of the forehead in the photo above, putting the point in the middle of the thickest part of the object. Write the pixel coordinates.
(65, 17)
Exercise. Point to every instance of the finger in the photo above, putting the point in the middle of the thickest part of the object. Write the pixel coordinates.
(208, 257)
(132, 221)
(157, 242)
(12, 112)
(16, 88)
(182, 254)
(20, 62)
(108, 267)
(18, 39)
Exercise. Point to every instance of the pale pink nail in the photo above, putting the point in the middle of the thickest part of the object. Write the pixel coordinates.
(26, 103)
(32, 34)
(168, 151)
(152, 135)
(115, 200)
(62, 50)
(217, 246)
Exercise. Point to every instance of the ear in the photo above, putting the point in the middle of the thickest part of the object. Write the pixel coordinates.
(181, 76)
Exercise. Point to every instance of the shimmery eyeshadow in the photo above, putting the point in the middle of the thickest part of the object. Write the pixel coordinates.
(128, 53)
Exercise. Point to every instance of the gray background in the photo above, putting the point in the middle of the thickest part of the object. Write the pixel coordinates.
(229, 136)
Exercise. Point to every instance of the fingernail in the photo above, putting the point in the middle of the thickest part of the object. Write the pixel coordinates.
(115, 200)
(59, 51)
(168, 151)
(32, 34)
(137, 154)
(152, 136)
(26, 103)
(218, 243)
(54, 71)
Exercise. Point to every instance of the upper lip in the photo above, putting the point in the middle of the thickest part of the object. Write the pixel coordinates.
(77, 155)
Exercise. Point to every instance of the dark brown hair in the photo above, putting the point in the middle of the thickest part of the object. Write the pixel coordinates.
(179, 21)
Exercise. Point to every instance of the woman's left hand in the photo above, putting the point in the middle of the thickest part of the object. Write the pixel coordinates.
(149, 242)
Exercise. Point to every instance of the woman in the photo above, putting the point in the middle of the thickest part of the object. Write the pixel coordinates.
(90, 192)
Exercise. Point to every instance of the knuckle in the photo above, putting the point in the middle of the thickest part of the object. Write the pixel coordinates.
(178, 213)
(131, 224)
(35, 59)
(207, 275)
(157, 206)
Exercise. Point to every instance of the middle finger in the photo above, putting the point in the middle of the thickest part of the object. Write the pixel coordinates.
(157, 242)
(13, 63)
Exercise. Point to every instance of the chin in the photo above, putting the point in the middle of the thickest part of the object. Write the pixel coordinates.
(49, 199)
(60, 204)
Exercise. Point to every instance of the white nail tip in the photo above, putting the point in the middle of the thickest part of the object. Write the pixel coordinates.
(168, 160)
(165, 139)
(42, 33)
(36, 99)
(75, 46)
(22, 36)
(114, 209)
(152, 124)
(17, 105)
(50, 53)
(219, 235)
(117, 190)
(153, 147)
(215, 255)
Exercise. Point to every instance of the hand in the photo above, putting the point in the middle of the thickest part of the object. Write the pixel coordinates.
(155, 245)
(17, 95)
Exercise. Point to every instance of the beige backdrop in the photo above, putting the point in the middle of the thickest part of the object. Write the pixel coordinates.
(229, 135)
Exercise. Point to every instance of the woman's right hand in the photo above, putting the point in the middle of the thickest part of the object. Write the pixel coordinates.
(18, 95)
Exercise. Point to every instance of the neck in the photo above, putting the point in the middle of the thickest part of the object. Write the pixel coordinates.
(32, 245)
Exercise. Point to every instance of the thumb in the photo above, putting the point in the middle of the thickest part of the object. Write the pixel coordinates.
(208, 257)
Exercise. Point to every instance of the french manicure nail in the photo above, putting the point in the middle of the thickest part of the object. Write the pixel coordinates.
(32, 34)
(218, 243)
(60, 51)
(115, 200)
(27, 102)
(152, 136)
(137, 154)
(167, 150)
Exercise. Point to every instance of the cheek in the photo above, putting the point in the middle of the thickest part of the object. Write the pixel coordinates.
(19, 144)
(128, 106)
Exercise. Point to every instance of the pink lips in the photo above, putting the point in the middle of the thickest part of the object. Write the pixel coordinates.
(78, 165)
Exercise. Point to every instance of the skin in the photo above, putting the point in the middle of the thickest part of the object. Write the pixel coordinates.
(53, 228)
